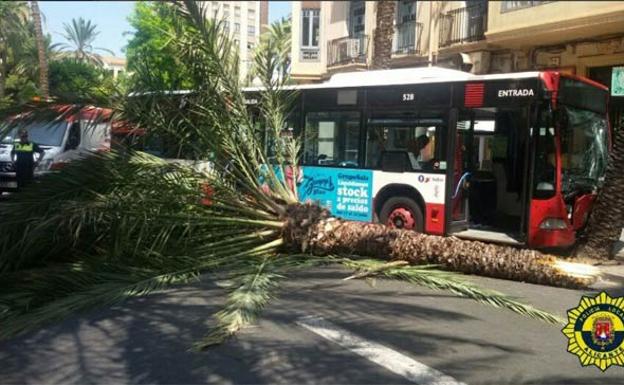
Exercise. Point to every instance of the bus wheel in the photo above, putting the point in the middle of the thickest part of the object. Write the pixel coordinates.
(402, 213)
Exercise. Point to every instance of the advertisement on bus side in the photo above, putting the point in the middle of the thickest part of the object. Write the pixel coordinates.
(347, 193)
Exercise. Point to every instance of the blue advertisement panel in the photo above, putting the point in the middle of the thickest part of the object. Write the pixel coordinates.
(347, 193)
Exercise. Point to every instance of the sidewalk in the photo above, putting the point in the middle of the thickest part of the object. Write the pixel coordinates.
(612, 278)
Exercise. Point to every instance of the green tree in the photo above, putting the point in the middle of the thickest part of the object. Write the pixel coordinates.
(13, 28)
(149, 53)
(21, 54)
(72, 80)
(80, 34)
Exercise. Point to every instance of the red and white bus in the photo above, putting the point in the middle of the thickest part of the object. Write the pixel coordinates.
(513, 158)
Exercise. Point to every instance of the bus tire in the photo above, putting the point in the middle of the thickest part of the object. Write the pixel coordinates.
(402, 213)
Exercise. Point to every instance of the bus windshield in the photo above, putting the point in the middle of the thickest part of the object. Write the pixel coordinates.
(584, 148)
(42, 133)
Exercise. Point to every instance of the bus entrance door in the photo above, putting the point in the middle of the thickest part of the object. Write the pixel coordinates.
(460, 177)
(487, 179)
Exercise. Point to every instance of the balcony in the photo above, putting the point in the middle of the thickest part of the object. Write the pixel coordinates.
(406, 39)
(347, 50)
(464, 25)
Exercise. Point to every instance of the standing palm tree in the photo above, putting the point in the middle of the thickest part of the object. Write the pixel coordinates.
(384, 31)
(41, 49)
(606, 221)
(81, 34)
(274, 46)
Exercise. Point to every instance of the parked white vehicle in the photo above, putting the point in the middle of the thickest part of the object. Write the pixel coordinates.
(63, 140)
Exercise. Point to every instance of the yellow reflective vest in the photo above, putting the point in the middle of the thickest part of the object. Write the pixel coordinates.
(23, 147)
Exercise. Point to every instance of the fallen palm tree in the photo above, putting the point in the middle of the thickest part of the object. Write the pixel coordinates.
(120, 225)
(326, 235)
(116, 226)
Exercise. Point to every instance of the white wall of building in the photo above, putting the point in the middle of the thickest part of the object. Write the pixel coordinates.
(243, 18)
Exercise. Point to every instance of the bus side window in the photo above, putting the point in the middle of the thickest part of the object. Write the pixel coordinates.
(332, 139)
(420, 143)
(545, 163)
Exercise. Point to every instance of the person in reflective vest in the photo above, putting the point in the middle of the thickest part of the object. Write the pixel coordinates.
(23, 157)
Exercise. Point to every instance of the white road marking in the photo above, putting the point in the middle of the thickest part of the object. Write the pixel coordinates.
(381, 355)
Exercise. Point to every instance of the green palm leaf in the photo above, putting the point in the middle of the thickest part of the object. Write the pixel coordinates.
(431, 277)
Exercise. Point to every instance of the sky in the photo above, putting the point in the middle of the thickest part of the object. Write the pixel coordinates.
(111, 19)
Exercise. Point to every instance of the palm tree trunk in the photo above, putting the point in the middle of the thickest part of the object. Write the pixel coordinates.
(43, 62)
(384, 31)
(607, 218)
(3, 59)
(314, 231)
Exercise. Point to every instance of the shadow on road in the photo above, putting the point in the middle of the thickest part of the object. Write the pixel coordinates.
(146, 340)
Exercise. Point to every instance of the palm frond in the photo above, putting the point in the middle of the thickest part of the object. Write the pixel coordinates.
(251, 291)
(429, 276)
(38, 303)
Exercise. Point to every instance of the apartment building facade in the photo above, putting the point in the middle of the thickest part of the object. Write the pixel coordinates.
(483, 37)
(244, 21)
(114, 65)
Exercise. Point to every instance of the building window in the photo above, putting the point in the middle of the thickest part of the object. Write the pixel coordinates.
(237, 12)
(251, 46)
(310, 34)
(251, 30)
(226, 26)
(404, 40)
(406, 11)
(310, 28)
(236, 27)
(513, 5)
(357, 10)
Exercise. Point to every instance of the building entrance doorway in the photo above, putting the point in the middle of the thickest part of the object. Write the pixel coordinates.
(603, 75)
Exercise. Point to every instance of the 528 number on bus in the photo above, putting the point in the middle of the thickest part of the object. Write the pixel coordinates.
(408, 97)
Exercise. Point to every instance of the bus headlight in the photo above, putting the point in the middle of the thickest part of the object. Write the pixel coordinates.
(553, 224)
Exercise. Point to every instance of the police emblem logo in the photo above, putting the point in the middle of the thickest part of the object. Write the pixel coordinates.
(595, 331)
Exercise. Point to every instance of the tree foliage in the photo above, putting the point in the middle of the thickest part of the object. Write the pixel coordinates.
(80, 35)
(17, 82)
(149, 49)
(72, 80)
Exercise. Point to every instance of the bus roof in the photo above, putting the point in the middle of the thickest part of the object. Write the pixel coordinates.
(403, 76)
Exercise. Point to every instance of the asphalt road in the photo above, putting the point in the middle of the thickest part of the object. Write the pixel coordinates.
(146, 340)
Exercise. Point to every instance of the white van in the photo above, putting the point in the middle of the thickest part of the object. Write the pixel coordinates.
(63, 140)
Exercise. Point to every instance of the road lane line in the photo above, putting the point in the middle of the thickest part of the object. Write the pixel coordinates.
(381, 355)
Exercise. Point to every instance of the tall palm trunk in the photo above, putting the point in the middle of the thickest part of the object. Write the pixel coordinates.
(384, 30)
(3, 59)
(313, 229)
(607, 219)
(43, 62)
